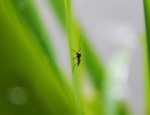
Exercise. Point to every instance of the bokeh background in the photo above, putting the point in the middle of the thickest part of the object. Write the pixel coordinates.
(115, 29)
(35, 64)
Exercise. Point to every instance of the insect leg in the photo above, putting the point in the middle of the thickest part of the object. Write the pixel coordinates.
(74, 58)
(73, 67)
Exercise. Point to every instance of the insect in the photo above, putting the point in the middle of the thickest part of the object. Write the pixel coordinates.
(78, 56)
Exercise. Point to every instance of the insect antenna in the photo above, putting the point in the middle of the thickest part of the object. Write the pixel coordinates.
(80, 44)
(73, 50)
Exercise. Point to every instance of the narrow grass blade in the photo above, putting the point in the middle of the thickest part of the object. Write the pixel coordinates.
(71, 46)
(147, 56)
(23, 66)
(28, 12)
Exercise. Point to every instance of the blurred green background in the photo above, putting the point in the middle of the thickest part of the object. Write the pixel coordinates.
(37, 72)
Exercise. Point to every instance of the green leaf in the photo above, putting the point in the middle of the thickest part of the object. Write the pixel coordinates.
(25, 73)
(27, 11)
(71, 46)
(147, 56)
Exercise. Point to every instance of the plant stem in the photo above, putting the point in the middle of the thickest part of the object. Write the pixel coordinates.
(71, 46)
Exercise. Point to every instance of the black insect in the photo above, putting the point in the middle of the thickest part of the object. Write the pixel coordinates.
(78, 56)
